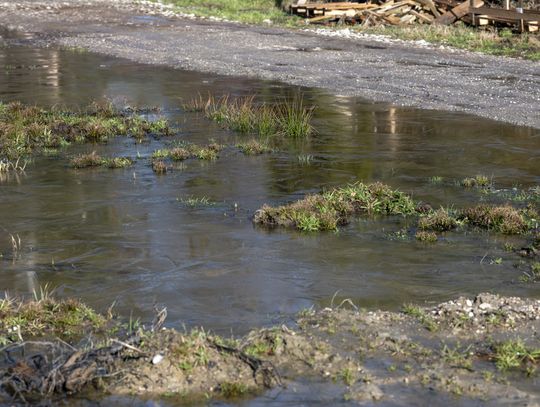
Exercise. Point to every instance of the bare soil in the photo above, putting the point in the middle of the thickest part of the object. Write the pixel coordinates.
(439, 353)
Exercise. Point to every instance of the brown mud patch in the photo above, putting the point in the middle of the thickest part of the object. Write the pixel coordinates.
(485, 349)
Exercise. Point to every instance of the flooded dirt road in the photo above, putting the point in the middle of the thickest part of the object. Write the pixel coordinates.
(127, 233)
(406, 74)
(186, 240)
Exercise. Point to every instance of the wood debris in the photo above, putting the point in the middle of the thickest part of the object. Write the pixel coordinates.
(406, 12)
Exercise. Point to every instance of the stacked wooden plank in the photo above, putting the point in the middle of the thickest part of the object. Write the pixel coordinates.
(404, 12)
(394, 12)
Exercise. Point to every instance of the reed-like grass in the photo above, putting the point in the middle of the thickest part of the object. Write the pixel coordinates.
(244, 115)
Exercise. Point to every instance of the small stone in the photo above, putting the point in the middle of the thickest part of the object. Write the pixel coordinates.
(157, 359)
(469, 303)
(484, 306)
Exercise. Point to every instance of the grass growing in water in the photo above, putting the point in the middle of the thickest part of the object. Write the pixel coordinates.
(94, 160)
(28, 129)
(328, 210)
(207, 152)
(255, 147)
(476, 181)
(193, 201)
(440, 220)
(502, 219)
(514, 354)
(425, 236)
(244, 115)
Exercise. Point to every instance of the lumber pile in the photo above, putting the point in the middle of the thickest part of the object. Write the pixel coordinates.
(396, 12)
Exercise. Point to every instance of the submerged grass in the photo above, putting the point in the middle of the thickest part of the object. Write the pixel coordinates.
(245, 115)
(328, 210)
(254, 147)
(440, 220)
(25, 130)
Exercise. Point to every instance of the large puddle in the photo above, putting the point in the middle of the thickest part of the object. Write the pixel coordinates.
(123, 236)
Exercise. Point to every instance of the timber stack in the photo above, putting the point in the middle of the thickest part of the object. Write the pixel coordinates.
(405, 12)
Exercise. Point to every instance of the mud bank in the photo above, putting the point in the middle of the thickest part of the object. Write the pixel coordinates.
(410, 74)
(484, 349)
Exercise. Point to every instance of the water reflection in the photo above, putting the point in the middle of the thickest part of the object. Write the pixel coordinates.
(123, 235)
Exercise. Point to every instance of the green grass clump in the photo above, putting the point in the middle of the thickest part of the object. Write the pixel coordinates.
(233, 389)
(46, 316)
(419, 314)
(254, 147)
(425, 236)
(502, 219)
(476, 181)
(25, 130)
(94, 160)
(244, 115)
(440, 220)
(207, 152)
(333, 208)
(159, 167)
(514, 354)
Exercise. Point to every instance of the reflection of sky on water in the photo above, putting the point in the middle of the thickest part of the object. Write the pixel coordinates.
(123, 235)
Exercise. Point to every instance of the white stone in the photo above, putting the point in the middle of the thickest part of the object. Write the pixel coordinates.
(157, 359)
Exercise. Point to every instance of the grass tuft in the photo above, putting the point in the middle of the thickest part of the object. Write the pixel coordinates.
(333, 208)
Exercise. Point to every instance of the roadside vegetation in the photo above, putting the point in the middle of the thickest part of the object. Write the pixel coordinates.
(490, 40)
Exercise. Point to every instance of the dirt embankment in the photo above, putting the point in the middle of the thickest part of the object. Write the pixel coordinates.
(373, 67)
(484, 349)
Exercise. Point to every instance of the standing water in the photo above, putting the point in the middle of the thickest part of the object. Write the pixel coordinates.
(126, 236)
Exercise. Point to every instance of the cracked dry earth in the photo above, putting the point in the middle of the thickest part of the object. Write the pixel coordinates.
(373, 67)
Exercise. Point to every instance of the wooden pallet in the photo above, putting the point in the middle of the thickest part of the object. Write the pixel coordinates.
(526, 21)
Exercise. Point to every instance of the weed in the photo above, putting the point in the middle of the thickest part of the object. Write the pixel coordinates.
(347, 376)
(513, 354)
(93, 160)
(244, 115)
(159, 166)
(196, 201)
(533, 275)
(304, 159)
(233, 389)
(425, 236)
(435, 179)
(457, 357)
(254, 147)
(440, 220)
(503, 219)
(421, 316)
(333, 208)
(476, 181)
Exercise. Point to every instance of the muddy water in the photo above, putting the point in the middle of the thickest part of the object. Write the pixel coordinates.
(123, 235)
